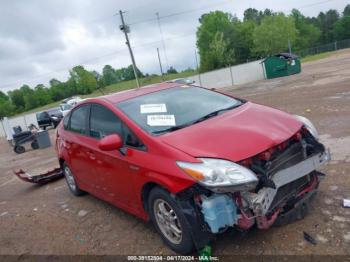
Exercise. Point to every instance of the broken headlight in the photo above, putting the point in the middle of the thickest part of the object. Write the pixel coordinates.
(220, 175)
(309, 126)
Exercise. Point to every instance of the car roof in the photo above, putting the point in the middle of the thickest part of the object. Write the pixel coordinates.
(128, 94)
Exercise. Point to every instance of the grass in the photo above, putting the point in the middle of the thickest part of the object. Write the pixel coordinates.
(316, 57)
(125, 85)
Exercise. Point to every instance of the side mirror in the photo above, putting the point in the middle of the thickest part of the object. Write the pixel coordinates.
(111, 142)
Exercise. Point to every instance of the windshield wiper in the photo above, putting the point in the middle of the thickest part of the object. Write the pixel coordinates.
(210, 115)
(170, 129)
(215, 113)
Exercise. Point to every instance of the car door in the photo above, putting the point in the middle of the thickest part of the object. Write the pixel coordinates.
(114, 173)
(78, 144)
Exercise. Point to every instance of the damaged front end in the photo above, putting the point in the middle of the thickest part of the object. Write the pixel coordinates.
(285, 180)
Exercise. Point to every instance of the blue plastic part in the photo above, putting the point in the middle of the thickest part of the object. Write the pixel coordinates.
(219, 211)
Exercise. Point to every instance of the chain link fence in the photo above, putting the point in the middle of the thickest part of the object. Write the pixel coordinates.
(324, 48)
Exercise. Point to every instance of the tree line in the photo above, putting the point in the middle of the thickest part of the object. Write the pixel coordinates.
(80, 82)
(223, 39)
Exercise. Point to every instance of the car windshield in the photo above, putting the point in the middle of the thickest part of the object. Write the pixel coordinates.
(175, 108)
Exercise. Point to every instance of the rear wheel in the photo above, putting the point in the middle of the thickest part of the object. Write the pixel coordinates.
(170, 221)
(34, 145)
(71, 182)
(19, 149)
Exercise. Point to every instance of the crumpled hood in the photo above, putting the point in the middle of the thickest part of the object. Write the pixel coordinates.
(236, 134)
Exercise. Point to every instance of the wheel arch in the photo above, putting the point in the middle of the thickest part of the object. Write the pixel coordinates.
(146, 190)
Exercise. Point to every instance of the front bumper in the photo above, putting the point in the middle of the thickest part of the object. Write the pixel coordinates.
(261, 201)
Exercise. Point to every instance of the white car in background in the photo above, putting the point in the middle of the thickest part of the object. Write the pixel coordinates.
(69, 104)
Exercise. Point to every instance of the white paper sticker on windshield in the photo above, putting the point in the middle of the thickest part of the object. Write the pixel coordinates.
(153, 108)
(161, 120)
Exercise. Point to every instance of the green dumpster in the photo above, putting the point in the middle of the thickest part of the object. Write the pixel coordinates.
(283, 64)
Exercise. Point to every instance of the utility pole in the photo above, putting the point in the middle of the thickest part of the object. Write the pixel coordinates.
(163, 44)
(160, 64)
(126, 29)
(199, 74)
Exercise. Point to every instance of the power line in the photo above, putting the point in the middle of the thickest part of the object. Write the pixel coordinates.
(181, 13)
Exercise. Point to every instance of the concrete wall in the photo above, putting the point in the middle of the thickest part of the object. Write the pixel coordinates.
(239, 74)
(22, 121)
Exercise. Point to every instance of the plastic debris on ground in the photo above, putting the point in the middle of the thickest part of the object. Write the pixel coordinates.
(346, 202)
(309, 239)
(42, 178)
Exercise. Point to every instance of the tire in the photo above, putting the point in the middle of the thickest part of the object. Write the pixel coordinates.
(19, 149)
(34, 145)
(71, 182)
(182, 242)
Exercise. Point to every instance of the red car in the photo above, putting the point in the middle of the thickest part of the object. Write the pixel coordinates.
(194, 161)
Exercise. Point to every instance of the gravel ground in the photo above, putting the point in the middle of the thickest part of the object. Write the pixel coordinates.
(50, 220)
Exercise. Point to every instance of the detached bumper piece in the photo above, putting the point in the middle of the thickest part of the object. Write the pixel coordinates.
(47, 177)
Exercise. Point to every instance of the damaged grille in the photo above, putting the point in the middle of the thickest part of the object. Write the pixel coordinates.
(288, 191)
(296, 149)
(287, 158)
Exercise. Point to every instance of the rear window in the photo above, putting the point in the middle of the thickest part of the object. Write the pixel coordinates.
(78, 119)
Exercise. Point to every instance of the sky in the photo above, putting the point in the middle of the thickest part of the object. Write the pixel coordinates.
(41, 40)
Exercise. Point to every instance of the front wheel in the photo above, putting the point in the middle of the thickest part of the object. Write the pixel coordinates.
(170, 221)
(19, 149)
(72, 184)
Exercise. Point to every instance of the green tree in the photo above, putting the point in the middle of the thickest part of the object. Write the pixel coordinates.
(3, 96)
(272, 35)
(244, 42)
(6, 107)
(109, 75)
(307, 33)
(252, 15)
(220, 55)
(342, 28)
(42, 95)
(346, 11)
(17, 97)
(216, 30)
(57, 90)
(82, 81)
(171, 70)
(326, 23)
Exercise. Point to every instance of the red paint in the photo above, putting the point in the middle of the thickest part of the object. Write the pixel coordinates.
(264, 222)
(111, 142)
(312, 185)
(237, 134)
(119, 178)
